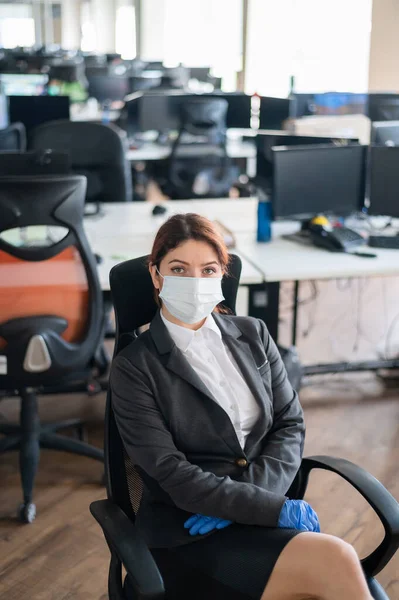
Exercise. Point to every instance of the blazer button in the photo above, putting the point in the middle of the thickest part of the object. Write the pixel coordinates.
(241, 462)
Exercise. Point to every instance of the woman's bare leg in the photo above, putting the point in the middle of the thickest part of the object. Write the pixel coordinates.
(320, 566)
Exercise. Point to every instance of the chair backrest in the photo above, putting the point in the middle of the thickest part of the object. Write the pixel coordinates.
(201, 169)
(96, 151)
(205, 116)
(13, 138)
(50, 299)
(135, 306)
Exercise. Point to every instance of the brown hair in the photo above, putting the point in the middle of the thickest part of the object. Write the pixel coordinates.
(183, 227)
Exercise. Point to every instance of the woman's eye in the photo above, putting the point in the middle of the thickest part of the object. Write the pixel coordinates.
(209, 271)
(178, 270)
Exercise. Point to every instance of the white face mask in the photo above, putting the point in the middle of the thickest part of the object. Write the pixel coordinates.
(191, 299)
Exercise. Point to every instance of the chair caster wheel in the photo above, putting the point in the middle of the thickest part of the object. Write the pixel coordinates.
(27, 512)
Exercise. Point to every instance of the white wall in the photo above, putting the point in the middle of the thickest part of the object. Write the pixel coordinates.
(384, 46)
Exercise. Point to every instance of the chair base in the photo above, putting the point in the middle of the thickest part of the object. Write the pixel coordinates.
(30, 436)
(376, 589)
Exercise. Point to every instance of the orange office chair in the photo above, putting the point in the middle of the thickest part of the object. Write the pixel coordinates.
(51, 312)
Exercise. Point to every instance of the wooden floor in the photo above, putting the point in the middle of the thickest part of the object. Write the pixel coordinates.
(62, 555)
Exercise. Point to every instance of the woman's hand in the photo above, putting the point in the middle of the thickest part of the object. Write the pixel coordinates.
(298, 514)
(200, 524)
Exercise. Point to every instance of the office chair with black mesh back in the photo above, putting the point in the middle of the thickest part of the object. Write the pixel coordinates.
(51, 314)
(13, 138)
(95, 150)
(202, 168)
(133, 297)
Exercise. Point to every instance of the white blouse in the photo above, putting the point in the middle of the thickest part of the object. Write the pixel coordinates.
(214, 364)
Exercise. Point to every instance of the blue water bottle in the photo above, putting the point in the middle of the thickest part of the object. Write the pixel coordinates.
(264, 232)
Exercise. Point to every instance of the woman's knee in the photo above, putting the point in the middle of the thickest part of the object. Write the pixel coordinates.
(325, 551)
(310, 561)
(336, 551)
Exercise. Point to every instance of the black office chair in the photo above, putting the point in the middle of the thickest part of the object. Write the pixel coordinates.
(200, 169)
(133, 297)
(13, 138)
(51, 314)
(95, 150)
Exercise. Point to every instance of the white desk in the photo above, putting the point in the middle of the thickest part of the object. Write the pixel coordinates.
(153, 151)
(116, 250)
(136, 218)
(283, 260)
(127, 230)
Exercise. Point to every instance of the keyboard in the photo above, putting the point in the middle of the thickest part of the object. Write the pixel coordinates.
(390, 242)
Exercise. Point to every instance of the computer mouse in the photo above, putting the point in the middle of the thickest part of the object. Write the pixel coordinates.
(159, 210)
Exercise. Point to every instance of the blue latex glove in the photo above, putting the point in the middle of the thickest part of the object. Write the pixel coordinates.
(298, 514)
(200, 524)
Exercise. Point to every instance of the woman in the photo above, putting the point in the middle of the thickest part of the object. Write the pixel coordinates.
(206, 412)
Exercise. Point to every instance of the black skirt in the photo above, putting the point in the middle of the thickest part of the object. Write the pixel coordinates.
(233, 563)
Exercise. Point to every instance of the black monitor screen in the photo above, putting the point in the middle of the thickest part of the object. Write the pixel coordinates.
(108, 88)
(273, 112)
(200, 73)
(238, 111)
(130, 116)
(318, 179)
(35, 110)
(161, 111)
(383, 107)
(39, 162)
(385, 133)
(384, 181)
(266, 141)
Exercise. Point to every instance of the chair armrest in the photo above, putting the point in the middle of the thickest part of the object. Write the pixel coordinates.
(378, 497)
(132, 551)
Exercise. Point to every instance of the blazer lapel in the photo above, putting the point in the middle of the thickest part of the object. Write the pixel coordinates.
(244, 358)
(174, 360)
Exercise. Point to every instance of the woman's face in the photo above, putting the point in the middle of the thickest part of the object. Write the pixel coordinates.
(191, 259)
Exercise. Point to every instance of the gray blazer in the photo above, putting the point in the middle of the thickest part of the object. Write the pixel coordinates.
(184, 443)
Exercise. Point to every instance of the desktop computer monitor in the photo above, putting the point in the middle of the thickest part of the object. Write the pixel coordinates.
(35, 110)
(108, 88)
(273, 112)
(23, 85)
(385, 133)
(302, 105)
(161, 111)
(309, 180)
(383, 107)
(130, 115)
(340, 103)
(238, 110)
(199, 73)
(266, 141)
(39, 162)
(384, 181)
